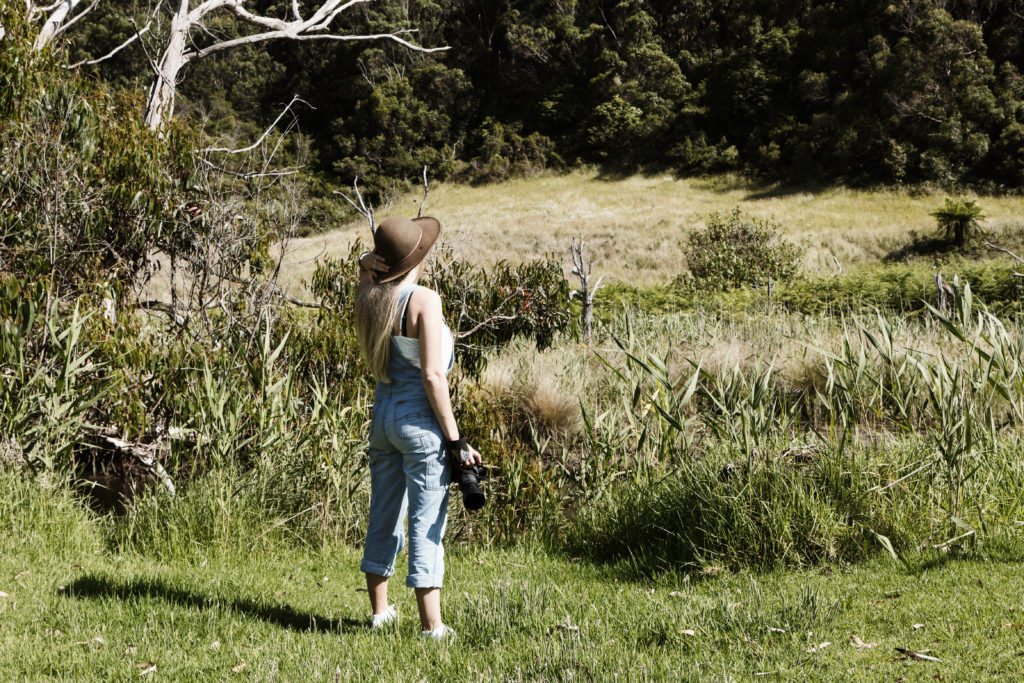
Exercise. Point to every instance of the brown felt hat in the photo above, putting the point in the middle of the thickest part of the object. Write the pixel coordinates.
(403, 243)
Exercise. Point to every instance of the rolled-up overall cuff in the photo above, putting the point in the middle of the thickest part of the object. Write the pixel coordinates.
(369, 567)
(424, 580)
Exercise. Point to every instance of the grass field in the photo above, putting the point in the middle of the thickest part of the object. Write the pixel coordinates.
(641, 525)
(635, 225)
(75, 609)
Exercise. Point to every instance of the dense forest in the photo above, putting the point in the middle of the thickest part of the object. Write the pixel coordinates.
(862, 92)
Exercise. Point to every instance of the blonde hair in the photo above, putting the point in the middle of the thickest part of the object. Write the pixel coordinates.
(376, 308)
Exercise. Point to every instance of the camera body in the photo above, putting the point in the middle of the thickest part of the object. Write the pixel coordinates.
(468, 479)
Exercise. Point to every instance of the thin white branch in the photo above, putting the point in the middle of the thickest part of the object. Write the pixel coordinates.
(71, 22)
(327, 12)
(363, 210)
(1009, 253)
(484, 323)
(257, 20)
(250, 175)
(205, 8)
(272, 126)
(89, 62)
(277, 35)
(426, 191)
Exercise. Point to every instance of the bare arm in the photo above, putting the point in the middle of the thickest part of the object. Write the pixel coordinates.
(426, 311)
(432, 368)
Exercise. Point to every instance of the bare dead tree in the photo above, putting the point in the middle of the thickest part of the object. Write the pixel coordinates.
(945, 295)
(582, 268)
(180, 48)
(1009, 253)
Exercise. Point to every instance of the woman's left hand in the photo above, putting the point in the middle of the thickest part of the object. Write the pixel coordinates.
(373, 261)
(474, 457)
(460, 451)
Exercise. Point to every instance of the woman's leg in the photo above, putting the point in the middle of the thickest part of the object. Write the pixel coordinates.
(377, 587)
(384, 534)
(427, 480)
(428, 600)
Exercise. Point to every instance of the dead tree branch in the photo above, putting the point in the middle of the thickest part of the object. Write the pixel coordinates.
(426, 191)
(364, 210)
(1009, 253)
(135, 36)
(181, 49)
(272, 126)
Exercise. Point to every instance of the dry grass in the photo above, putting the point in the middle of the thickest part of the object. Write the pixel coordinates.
(542, 390)
(635, 226)
(546, 389)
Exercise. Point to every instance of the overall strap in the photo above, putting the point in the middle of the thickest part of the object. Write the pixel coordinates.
(403, 302)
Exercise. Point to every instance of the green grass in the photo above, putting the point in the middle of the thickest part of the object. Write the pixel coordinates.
(901, 287)
(290, 613)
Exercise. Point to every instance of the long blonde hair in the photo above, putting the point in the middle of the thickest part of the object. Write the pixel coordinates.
(376, 308)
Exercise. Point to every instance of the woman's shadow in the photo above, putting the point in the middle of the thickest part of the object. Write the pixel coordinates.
(94, 586)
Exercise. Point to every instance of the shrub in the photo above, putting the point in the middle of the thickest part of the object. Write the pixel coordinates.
(87, 191)
(493, 307)
(504, 154)
(903, 287)
(735, 251)
(959, 220)
(716, 512)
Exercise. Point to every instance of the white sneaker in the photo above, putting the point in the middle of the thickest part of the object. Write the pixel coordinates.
(384, 618)
(442, 632)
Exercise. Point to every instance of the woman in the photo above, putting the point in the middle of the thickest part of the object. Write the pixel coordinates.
(410, 350)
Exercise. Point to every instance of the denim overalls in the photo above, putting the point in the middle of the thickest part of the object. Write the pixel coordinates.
(408, 473)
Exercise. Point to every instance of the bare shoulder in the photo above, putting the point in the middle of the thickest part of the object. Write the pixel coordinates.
(424, 300)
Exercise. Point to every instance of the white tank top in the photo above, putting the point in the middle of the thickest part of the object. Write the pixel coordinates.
(409, 347)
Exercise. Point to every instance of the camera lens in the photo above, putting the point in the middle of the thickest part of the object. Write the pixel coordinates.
(472, 497)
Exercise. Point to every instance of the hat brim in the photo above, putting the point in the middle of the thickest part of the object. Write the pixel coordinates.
(430, 229)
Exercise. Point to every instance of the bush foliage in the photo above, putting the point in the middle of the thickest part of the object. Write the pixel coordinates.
(736, 250)
(959, 220)
(87, 191)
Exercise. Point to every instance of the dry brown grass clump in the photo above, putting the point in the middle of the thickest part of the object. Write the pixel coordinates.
(539, 391)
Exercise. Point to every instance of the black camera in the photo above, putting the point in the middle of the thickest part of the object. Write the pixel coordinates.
(468, 479)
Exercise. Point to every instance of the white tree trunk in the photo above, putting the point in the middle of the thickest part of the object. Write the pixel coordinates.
(160, 105)
(54, 22)
(180, 50)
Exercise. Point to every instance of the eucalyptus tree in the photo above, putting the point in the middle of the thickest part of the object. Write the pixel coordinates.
(184, 43)
(188, 35)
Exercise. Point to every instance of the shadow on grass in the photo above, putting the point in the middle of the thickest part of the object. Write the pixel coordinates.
(926, 246)
(285, 616)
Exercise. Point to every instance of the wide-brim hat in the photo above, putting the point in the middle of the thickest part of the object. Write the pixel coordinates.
(403, 243)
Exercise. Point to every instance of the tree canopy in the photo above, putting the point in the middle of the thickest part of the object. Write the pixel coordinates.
(861, 92)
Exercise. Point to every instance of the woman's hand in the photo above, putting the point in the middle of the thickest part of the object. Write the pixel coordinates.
(474, 457)
(464, 454)
(372, 261)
